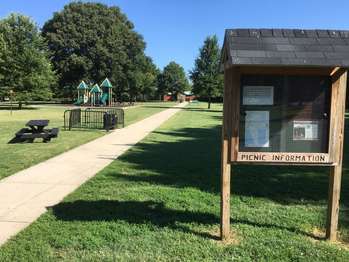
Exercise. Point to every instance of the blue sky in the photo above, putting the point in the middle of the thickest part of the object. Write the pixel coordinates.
(175, 29)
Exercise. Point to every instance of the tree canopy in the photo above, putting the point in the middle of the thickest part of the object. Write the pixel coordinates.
(24, 64)
(3, 53)
(92, 41)
(142, 79)
(207, 81)
(173, 79)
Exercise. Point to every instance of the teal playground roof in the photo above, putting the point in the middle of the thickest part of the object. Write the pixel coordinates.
(96, 89)
(82, 85)
(106, 83)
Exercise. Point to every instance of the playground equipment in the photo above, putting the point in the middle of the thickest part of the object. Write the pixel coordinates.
(107, 92)
(83, 94)
(96, 96)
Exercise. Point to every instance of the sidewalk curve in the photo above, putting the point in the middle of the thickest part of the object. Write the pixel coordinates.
(25, 195)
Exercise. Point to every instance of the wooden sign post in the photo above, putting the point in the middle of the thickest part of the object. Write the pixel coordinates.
(283, 111)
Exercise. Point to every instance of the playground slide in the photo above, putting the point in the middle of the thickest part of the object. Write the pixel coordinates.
(104, 99)
(81, 101)
(78, 102)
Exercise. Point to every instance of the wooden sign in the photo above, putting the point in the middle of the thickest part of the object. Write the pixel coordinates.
(295, 127)
(282, 111)
(283, 157)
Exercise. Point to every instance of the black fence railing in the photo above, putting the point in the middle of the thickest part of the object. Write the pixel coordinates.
(118, 112)
(93, 119)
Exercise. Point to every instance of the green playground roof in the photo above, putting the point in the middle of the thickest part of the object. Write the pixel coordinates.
(82, 85)
(106, 83)
(95, 89)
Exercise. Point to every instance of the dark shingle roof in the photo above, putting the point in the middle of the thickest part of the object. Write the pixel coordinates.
(285, 47)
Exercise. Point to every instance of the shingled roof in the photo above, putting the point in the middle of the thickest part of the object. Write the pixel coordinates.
(286, 47)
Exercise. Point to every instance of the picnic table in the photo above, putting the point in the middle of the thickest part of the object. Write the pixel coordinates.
(37, 126)
(37, 130)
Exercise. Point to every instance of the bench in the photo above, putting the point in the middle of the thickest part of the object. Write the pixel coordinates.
(54, 132)
(23, 131)
(26, 134)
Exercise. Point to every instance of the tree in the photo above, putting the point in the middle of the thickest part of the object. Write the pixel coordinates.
(92, 41)
(207, 81)
(24, 64)
(142, 81)
(173, 79)
(148, 78)
(3, 53)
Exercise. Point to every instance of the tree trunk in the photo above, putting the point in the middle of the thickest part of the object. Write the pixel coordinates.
(20, 104)
(209, 102)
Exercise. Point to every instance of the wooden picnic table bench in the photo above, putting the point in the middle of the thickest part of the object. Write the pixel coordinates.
(37, 125)
(37, 130)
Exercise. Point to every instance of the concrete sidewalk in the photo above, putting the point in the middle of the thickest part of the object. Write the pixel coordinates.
(25, 195)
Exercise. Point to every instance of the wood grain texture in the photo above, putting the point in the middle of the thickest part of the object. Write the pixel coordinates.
(235, 112)
(339, 83)
(225, 192)
(338, 92)
(225, 163)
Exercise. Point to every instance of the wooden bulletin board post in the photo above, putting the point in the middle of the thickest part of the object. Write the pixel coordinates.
(339, 84)
(231, 153)
(225, 165)
(284, 104)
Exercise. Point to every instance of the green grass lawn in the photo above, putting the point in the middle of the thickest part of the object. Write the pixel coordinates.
(15, 157)
(160, 202)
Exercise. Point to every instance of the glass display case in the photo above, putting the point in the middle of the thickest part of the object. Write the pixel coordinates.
(284, 113)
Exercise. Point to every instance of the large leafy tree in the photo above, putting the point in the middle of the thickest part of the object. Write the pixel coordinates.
(24, 64)
(149, 78)
(92, 41)
(143, 78)
(3, 53)
(173, 79)
(150, 84)
(206, 78)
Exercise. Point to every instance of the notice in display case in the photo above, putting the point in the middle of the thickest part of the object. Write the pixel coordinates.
(258, 95)
(257, 129)
(305, 130)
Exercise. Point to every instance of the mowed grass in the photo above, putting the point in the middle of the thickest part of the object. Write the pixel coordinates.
(15, 157)
(143, 110)
(160, 202)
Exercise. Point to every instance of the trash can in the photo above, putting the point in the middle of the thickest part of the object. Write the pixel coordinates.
(109, 121)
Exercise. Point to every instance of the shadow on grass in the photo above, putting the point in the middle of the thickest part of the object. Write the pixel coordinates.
(148, 212)
(192, 159)
(16, 140)
(134, 212)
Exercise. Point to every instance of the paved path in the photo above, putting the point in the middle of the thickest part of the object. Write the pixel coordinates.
(25, 195)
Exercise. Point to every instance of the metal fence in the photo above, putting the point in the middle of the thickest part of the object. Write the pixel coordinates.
(119, 113)
(94, 118)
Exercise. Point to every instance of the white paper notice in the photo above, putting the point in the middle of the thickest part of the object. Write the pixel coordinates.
(258, 95)
(257, 129)
(305, 130)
